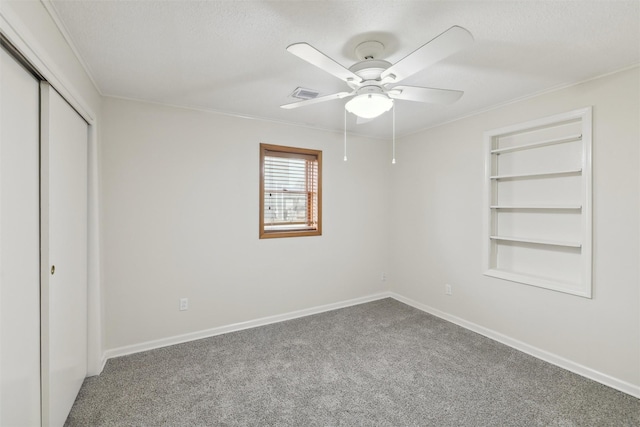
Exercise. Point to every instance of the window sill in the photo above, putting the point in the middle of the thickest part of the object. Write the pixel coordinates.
(291, 233)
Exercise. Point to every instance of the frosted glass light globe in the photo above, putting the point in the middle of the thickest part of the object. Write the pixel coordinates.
(369, 105)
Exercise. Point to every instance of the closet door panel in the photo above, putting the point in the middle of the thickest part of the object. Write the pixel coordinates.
(64, 290)
(19, 246)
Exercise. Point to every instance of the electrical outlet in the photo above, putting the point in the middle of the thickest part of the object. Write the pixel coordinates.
(383, 277)
(447, 289)
(184, 304)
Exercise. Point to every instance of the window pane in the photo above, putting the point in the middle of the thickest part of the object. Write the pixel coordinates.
(282, 207)
(289, 191)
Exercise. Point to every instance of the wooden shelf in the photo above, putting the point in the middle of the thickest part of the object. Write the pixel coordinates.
(538, 174)
(545, 242)
(574, 288)
(538, 207)
(537, 144)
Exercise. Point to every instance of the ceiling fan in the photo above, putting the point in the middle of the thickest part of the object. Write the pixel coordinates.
(373, 81)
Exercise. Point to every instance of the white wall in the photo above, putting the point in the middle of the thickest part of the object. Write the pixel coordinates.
(437, 231)
(180, 219)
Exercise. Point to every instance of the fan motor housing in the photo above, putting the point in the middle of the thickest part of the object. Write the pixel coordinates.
(370, 88)
(369, 69)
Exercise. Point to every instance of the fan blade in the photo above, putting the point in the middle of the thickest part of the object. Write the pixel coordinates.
(425, 94)
(447, 43)
(312, 101)
(315, 57)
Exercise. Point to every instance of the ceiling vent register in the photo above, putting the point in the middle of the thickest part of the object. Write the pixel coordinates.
(302, 93)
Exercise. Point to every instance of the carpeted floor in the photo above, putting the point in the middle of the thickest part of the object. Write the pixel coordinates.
(377, 364)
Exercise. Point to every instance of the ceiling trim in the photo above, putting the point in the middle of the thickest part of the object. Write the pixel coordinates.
(287, 123)
(523, 98)
(53, 12)
(246, 116)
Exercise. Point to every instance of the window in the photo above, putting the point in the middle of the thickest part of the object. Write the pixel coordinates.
(290, 191)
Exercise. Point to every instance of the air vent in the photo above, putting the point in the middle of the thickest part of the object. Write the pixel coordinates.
(302, 93)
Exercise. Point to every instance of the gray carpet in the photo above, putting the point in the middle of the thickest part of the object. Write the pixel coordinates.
(377, 364)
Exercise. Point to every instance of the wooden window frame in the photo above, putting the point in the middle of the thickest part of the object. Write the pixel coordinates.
(294, 152)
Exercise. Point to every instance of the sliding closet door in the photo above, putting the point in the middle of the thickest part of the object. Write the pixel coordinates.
(19, 246)
(64, 255)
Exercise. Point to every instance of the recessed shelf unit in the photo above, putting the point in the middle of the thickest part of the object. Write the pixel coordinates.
(537, 224)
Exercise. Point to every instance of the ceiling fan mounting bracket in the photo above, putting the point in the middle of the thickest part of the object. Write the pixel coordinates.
(369, 50)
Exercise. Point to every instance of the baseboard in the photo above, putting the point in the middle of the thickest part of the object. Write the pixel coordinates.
(554, 359)
(96, 369)
(179, 339)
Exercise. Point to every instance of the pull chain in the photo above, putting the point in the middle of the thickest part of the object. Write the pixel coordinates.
(393, 160)
(345, 134)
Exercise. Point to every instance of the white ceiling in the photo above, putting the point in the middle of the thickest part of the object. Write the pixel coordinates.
(230, 56)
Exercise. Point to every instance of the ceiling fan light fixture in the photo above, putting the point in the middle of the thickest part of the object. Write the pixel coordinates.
(369, 105)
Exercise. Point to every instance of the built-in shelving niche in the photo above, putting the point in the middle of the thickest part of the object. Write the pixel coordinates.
(537, 226)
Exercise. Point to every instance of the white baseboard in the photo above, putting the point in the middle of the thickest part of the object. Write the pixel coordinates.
(101, 363)
(554, 359)
(178, 339)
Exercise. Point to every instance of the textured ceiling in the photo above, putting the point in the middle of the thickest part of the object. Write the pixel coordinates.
(230, 56)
